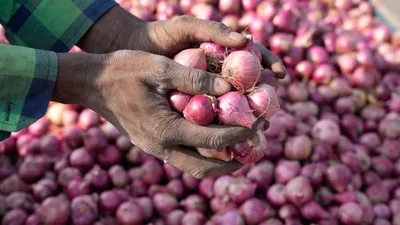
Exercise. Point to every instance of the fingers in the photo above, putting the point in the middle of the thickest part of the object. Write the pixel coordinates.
(197, 30)
(194, 81)
(192, 162)
(269, 60)
(211, 137)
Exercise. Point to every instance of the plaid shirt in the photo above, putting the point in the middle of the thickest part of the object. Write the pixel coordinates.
(28, 70)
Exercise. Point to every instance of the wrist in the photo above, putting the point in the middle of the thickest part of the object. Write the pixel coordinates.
(115, 30)
(77, 73)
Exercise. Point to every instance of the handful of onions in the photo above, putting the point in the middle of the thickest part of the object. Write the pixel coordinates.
(251, 99)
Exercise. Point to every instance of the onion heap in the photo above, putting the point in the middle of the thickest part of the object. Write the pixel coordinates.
(331, 155)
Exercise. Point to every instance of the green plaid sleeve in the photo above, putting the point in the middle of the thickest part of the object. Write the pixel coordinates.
(55, 25)
(27, 78)
(27, 75)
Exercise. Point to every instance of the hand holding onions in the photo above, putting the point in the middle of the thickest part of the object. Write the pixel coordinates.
(252, 98)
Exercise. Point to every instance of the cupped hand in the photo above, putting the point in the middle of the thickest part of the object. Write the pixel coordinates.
(118, 30)
(129, 89)
(171, 36)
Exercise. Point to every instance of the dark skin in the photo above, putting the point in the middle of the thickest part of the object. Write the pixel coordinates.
(129, 87)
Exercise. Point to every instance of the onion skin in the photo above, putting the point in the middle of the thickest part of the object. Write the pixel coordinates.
(299, 190)
(179, 100)
(242, 69)
(234, 109)
(250, 151)
(200, 109)
(263, 100)
(194, 58)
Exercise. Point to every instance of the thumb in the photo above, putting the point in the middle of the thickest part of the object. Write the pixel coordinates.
(198, 30)
(194, 81)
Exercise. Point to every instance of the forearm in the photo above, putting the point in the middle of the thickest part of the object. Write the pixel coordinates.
(27, 78)
(115, 30)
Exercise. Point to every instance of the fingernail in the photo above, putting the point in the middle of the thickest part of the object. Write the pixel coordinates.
(221, 86)
(236, 36)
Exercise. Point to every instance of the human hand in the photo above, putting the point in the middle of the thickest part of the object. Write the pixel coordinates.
(129, 89)
(118, 29)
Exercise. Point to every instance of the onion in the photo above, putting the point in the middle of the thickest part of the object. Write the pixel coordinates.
(233, 109)
(338, 177)
(200, 109)
(350, 213)
(242, 69)
(298, 148)
(285, 20)
(215, 55)
(263, 100)
(229, 6)
(250, 151)
(223, 154)
(194, 58)
(299, 190)
(286, 171)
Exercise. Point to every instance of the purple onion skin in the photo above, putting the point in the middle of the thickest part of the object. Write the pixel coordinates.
(221, 185)
(377, 193)
(288, 211)
(262, 174)
(55, 210)
(350, 213)
(147, 206)
(286, 170)
(109, 201)
(15, 217)
(193, 217)
(152, 172)
(206, 187)
(272, 221)
(174, 217)
(34, 220)
(338, 177)
(241, 189)
(20, 200)
(171, 172)
(176, 187)
(382, 211)
(84, 210)
(229, 217)
(194, 202)
(276, 194)
(190, 181)
(165, 203)
(299, 190)
(254, 211)
(314, 172)
(129, 213)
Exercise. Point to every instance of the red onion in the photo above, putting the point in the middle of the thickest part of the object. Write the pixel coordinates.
(129, 213)
(233, 109)
(313, 211)
(276, 194)
(194, 202)
(240, 189)
(55, 210)
(338, 177)
(298, 148)
(317, 55)
(261, 174)
(341, 86)
(190, 181)
(15, 217)
(281, 42)
(286, 170)
(229, 6)
(288, 211)
(194, 218)
(179, 100)
(231, 21)
(118, 176)
(242, 69)
(200, 109)
(231, 216)
(299, 190)
(193, 57)
(324, 73)
(250, 5)
(205, 12)
(206, 187)
(314, 172)
(254, 211)
(285, 20)
(176, 187)
(350, 213)
(110, 156)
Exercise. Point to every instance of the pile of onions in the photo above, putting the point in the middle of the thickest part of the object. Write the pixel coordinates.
(330, 156)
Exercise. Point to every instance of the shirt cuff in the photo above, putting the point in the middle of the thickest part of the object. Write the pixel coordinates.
(54, 25)
(27, 79)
